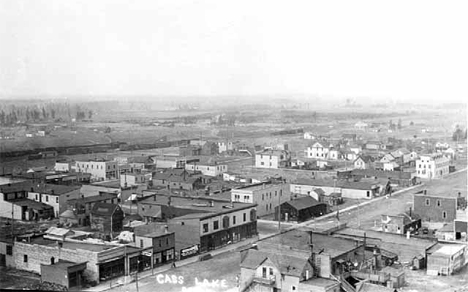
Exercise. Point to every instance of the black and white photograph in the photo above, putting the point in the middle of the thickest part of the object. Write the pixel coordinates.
(233, 146)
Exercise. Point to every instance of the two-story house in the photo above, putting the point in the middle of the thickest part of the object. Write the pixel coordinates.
(54, 195)
(364, 162)
(318, 151)
(273, 159)
(431, 166)
(100, 169)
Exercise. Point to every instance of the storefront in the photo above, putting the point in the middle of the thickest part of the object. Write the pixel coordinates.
(111, 269)
(227, 236)
(190, 251)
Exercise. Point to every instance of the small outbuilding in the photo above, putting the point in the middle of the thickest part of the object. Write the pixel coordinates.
(64, 273)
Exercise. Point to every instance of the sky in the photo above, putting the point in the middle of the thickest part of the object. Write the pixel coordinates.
(403, 50)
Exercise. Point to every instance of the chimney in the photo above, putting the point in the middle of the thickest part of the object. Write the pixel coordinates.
(410, 212)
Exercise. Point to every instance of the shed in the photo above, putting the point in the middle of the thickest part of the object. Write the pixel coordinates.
(65, 273)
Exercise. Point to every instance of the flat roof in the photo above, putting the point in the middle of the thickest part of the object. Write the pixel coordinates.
(73, 245)
(299, 239)
(449, 249)
(320, 282)
(201, 204)
(258, 186)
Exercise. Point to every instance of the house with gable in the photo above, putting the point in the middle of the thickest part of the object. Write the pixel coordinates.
(364, 162)
(317, 150)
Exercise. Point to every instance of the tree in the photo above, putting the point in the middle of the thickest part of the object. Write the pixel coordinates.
(44, 113)
(90, 114)
(458, 134)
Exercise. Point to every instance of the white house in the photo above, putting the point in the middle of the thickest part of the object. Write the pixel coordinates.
(317, 150)
(309, 136)
(207, 169)
(273, 159)
(361, 125)
(432, 165)
(224, 146)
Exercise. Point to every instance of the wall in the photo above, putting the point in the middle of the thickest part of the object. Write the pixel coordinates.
(239, 220)
(41, 254)
(433, 212)
(9, 259)
(269, 161)
(357, 194)
(6, 209)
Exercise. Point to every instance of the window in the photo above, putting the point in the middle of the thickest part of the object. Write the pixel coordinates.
(52, 260)
(205, 227)
(160, 243)
(37, 198)
(428, 203)
(56, 199)
(141, 243)
(444, 215)
(233, 220)
(293, 288)
(266, 207)
(262, 163)
(264, 272)
(281, 193)
(216, 225)
(167, 240)
(245, 217)
(263, 197)
(368, 193)
(9, 250)
(271, 271)
(25, 258)
(276, 193)
(246, 198)
(46, 198)
(438, 203)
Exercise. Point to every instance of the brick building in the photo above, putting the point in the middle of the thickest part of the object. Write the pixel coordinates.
(435, 208)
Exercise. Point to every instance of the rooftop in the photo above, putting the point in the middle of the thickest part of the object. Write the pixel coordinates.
(200, 204)
(287, 264)
(31, 204)
(299, 239)
(303, 203)
(449, 249)
(92, 199)
(74, 245)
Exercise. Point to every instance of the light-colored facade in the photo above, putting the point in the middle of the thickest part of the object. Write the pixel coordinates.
(57, 198)
(447, 260)
(208, 169)
(266, 196)
(132, 179)
(99, 169)
(64, 166)
(272, 159)
(225, 146)
(432, 166)
(317, 150)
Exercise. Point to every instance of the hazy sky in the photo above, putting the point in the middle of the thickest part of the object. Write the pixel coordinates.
(384, 49)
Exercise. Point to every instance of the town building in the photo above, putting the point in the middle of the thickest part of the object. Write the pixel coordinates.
(157, 245)
(14, 203)
(432, 166)
(63, 165)
(347, 189)
(102, 261)
(273, 159)
(215, 224)
(209, 169)
(364, 162)
(301, 209)
(317, 150)
(132, 179)
(225, 146)
(435, 208)
(171, 162)
(106, 218)
(447, 259)
(267, 196)
(56, 196)
(100, 169)
(400, 223)
(79, 210)
(179, 179)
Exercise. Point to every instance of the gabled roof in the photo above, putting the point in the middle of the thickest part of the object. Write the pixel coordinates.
(319, 191)
(104, 209)
(57, 231)
(286, 264)
(150, 211)
(303, 203)
(101, 197)
(365, 158)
